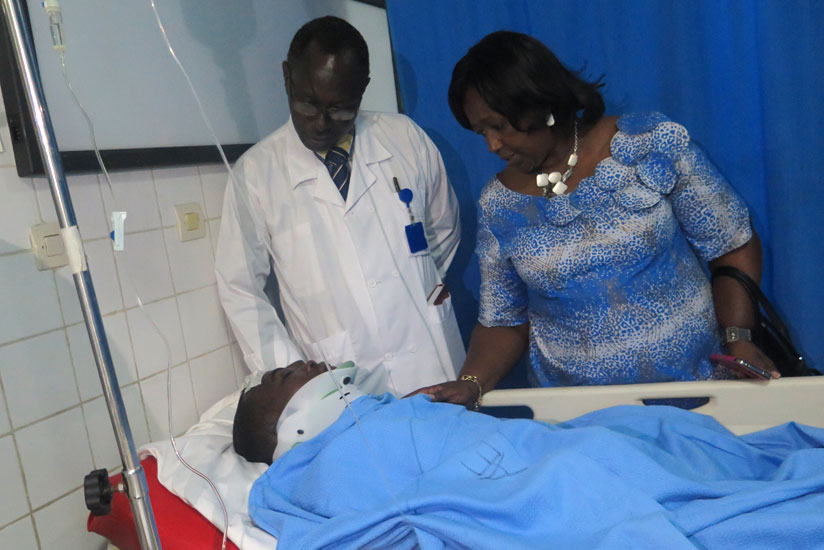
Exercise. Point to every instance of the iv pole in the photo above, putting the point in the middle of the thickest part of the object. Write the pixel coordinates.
(133, 474)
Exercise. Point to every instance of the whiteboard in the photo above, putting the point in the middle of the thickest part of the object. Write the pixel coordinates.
(232, 50)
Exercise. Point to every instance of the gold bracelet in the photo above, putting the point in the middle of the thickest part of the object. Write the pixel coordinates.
(473, 378)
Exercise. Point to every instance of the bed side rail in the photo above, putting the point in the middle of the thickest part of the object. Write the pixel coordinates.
(743, 406)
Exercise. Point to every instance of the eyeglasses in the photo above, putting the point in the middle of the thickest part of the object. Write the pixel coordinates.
(312, 110)
(307, 109)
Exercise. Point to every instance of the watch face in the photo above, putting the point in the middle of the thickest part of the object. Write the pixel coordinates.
(733, 334)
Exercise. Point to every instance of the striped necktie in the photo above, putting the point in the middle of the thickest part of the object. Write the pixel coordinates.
(337, 162)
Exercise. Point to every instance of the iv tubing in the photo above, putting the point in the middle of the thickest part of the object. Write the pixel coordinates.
(133, 475)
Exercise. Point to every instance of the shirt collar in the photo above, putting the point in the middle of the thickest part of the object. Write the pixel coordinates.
(304, 165)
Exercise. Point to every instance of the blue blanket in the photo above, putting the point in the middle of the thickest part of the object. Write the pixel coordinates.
(437, 476)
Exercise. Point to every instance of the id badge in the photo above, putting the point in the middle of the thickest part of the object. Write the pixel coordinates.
(416, 238)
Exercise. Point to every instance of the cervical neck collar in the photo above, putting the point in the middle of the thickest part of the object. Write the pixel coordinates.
(316, 406)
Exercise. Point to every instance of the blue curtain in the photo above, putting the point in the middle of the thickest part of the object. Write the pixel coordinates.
(745, 77)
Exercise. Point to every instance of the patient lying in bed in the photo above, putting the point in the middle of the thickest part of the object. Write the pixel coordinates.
(415, 474)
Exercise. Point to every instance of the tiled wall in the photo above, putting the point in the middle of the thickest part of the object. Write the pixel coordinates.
(54, 425)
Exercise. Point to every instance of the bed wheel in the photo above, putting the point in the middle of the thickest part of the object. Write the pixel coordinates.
(98, 492)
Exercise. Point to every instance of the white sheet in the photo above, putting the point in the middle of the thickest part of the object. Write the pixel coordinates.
(207, 446)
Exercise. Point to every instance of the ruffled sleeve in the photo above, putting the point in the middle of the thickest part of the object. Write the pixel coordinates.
(714, 218)
(667, 163)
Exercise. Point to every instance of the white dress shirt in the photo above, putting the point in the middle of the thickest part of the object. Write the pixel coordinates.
(350, 290)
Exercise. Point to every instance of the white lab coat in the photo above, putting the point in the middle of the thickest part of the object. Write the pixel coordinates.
(349, 287)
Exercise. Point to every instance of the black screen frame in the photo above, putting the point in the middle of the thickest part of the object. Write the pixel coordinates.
(24, 140)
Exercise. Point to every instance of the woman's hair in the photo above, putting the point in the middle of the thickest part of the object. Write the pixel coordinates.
(520, 78)
(252, 437)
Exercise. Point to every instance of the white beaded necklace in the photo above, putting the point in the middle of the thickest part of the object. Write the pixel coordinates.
(557, 179)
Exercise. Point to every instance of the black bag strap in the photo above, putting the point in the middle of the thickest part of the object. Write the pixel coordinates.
(756, 295)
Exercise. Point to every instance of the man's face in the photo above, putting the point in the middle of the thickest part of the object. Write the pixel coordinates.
(325, 92)
(276, 388)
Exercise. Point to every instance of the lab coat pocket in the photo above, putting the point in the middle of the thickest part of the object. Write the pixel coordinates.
(441, 312)
(332, 350)
(431, 286)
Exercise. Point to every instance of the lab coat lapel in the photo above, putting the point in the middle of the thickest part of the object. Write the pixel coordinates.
(305, 166)
(368, 151)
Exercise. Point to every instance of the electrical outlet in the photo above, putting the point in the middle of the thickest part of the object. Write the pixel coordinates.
(190, 222)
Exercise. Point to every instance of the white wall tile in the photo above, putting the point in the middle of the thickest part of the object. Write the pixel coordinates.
(204, 327)
(19, 536)
(88, 381)
(214, 231)
(104, 447)
(176, 186)
(18, 210)
(86, 200)
(62, 525)
(5, 425)
(14, 503)
(37, 377)
(134, 194)
(144, 267)
(69, 301)
(55, 456)
(192, 262)
(213, 178)
(213, 377)
(31, 296)
(151, 354)
(184, 413)
(117, 336)
(104, 277)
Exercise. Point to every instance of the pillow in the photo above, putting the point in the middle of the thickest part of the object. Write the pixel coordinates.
(207, 447)
(179, 526)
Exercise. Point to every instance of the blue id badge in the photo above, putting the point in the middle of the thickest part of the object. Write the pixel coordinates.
(414, 231)
(416, 238)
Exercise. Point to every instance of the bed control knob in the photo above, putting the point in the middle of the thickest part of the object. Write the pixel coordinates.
(98, 492)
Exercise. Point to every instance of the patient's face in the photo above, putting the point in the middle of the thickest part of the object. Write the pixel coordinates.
(255, 430)
(279, 385)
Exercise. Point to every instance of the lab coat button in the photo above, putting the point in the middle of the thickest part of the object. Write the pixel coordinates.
(396, 274)
(373, 283)
(388, 357)
(413, 348)
(371, 208)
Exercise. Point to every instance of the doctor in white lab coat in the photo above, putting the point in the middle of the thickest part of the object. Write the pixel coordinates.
(349, 284)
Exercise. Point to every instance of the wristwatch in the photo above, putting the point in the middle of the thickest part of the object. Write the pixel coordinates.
(734, 334)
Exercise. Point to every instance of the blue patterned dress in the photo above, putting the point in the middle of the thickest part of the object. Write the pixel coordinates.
(609, 277)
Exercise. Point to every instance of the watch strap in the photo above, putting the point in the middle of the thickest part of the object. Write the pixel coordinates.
(734, 334)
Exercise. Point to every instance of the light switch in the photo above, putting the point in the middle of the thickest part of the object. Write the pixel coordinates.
(47, 245)
(190, 224)
(192, 221)
(54, 246)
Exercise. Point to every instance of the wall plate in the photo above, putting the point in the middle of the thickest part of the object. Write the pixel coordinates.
(190, 222)
(47, 245)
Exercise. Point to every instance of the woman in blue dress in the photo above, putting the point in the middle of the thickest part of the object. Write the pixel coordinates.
(593, 239)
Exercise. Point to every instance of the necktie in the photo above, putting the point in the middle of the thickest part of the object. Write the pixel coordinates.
(337, 162)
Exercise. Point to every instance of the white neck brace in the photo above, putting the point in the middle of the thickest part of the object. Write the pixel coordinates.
(316, 406)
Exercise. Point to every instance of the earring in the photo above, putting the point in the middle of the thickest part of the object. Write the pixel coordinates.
(550, 120)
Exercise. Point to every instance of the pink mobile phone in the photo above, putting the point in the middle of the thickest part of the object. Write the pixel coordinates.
(739, 365)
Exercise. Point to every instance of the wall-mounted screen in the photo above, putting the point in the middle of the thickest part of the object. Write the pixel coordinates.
(138, 100)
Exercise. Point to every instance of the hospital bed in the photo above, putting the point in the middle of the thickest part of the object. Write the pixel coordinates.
(742, 406)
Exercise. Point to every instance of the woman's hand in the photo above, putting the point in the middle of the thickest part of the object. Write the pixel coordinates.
(750, 353)
(460, 392)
